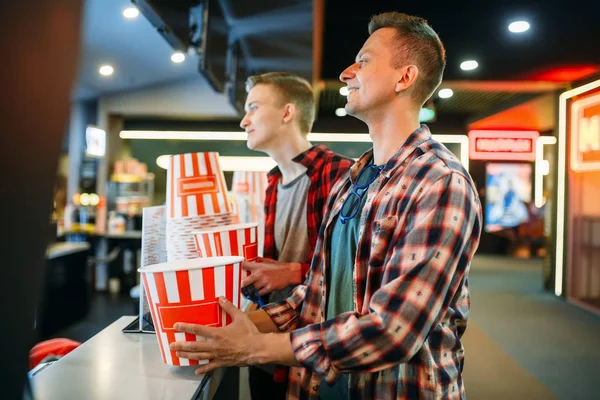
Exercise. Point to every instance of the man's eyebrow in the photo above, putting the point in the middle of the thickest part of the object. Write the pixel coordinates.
(361, 54)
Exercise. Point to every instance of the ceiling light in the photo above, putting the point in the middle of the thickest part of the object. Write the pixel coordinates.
(341, 112)
(178, 57)
(106, 70)
(131, 12)
(344, 91)
(445, 93)
(469, 65)
(519, 26)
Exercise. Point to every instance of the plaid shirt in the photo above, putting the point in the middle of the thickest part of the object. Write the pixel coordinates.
(323, 167)
(419, 230)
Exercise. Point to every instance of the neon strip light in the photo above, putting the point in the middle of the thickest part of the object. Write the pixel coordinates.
(313, 137)
(539, 172)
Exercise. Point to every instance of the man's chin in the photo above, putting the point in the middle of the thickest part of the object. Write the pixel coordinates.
(352, 111)
(253, 146)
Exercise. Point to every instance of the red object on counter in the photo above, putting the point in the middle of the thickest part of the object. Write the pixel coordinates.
(53, 347)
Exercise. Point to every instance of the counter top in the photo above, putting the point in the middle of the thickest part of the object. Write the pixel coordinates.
(117, 365)
(61, 249)
(125, 235)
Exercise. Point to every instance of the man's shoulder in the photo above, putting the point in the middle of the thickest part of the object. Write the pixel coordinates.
(331, 155)
(437, 161)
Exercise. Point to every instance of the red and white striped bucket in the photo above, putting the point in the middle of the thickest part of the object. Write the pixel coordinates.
(196, 186)
(188, 291)
(180, 233)
(230, 240)
(251, 185)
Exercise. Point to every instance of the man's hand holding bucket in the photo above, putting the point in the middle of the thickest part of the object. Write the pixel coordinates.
(243, 342)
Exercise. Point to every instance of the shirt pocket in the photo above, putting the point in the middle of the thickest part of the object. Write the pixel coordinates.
(383, 231)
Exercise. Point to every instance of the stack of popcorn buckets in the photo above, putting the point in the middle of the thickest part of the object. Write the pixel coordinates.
(196, 199)
(205, 245)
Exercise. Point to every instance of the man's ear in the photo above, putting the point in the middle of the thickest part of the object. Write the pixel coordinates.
(289, 112)
(407, 77)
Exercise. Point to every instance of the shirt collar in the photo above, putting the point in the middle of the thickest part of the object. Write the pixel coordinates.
(311, 159)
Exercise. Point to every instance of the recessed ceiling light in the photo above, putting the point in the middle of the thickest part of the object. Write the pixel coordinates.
(131, 12)
(106, 70)
(341, 112)
(519, 26)
(178, 57)
(344, 91)
(469, 65)
(445, 93)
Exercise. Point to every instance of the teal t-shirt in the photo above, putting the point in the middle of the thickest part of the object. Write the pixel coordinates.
(340, 286)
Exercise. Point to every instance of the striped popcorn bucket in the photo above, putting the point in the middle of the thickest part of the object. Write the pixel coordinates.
(251, 185)
(188, 291)
(229, 240)
(180, 233)
(196, 186)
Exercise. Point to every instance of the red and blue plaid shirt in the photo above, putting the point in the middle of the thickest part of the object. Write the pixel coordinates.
(323, 168)
(419, 230)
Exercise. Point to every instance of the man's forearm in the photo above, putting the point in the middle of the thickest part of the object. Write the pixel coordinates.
(275, 348)
(263, 322)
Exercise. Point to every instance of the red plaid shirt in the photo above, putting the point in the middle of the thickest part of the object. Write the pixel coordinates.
(420, 228)
(323, 167)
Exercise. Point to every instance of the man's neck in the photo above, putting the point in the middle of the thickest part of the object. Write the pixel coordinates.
(390, 131)
(284, 153)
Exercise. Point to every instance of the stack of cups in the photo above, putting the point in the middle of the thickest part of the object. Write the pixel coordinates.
(196, 199)
(188, 291)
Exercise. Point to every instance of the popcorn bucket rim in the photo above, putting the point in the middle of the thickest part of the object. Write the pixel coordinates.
(191, 264)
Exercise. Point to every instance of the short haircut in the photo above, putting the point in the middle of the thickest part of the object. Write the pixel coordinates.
(293, 89)
(417, 43)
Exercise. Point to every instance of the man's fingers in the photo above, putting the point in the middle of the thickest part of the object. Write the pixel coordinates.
(199, 346)
(229, 308)
(193, 355)
(268, 261)
(249, 280)
(194, 329)
(264, 290)
(249, 266)
(209, 367)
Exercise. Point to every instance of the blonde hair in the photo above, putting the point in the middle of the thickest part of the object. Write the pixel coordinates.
(292, 89)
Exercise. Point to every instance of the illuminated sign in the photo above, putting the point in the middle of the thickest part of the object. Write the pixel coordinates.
(585, 133)
(95, 140)
(502, 145)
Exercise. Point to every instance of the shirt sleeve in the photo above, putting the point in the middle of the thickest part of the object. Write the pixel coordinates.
(285, 313)
(429, 259)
